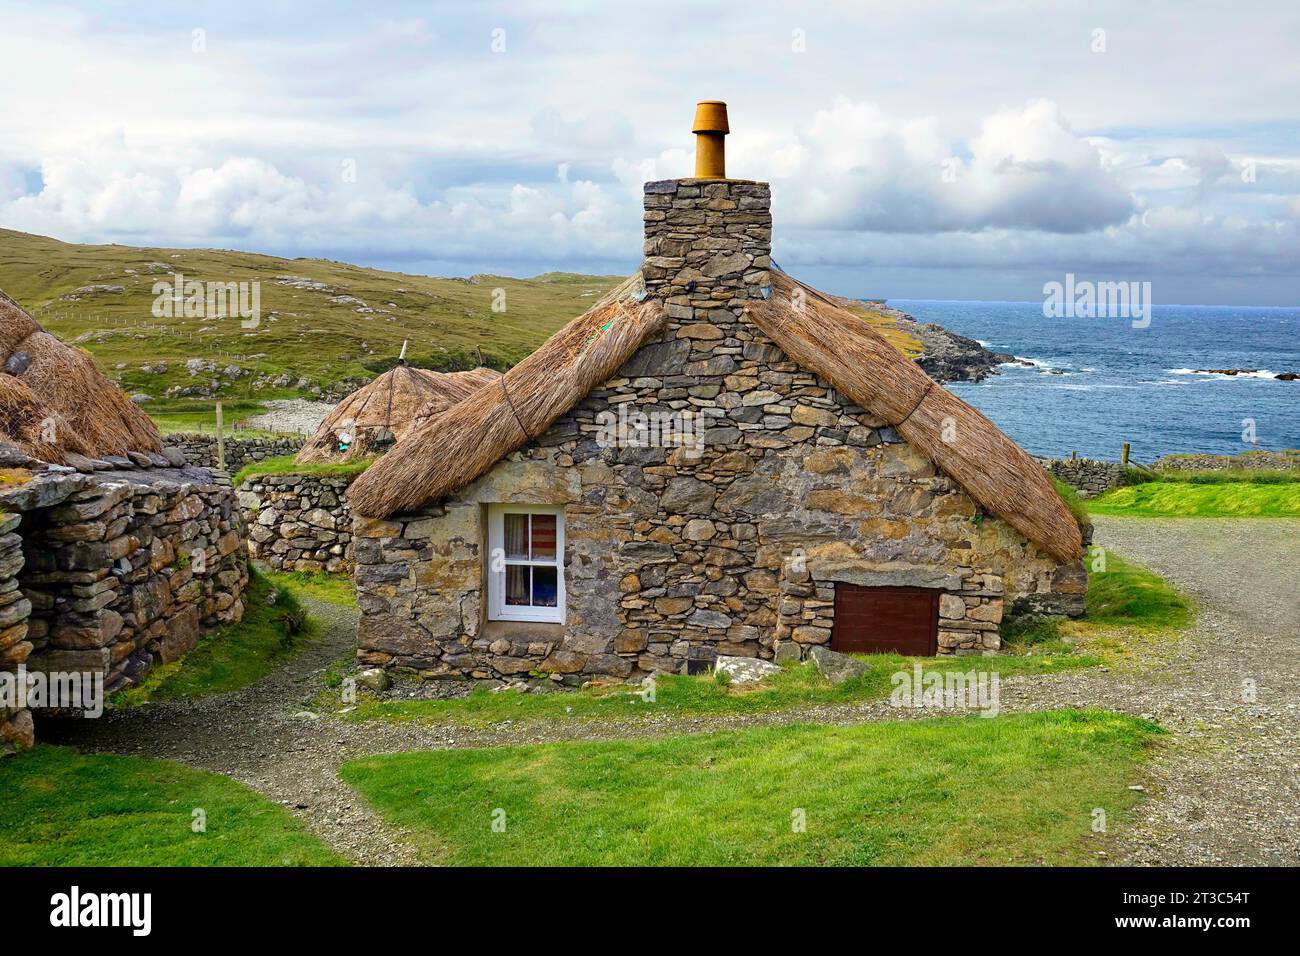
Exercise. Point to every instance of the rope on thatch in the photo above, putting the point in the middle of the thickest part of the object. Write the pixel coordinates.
(859, 362)
(452, 450)
(505, 390)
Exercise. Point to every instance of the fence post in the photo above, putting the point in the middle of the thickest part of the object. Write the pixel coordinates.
(1124, 455)
(1074, 456)
(221, 440)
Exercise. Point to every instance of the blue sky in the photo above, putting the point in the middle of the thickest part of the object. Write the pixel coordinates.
(922, 150)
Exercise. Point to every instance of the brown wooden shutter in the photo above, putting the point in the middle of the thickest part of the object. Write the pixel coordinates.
(886, 619)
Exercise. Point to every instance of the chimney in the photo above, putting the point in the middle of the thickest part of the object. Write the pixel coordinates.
(710, 149)
(708, 239)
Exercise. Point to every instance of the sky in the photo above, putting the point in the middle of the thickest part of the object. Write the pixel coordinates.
(915, 150)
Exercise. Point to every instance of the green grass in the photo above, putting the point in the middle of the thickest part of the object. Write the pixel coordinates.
(1011, 790)
(285, 465)
(234, 655)
(1129, 609)
(193, 415)
(1128, 595)
(1229, 476)
(62, 808)
(321, 585)
(449, 322)
(679, 695)
(1072, 501)
(1266, 498)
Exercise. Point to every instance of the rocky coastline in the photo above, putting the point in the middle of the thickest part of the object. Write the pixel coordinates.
(947, 356)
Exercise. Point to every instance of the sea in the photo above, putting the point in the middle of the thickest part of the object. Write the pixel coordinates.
(1094, 383)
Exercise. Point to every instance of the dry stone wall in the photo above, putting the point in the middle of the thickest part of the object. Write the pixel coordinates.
(299, 522)
(201, 450)
(1087, 476)
(111, 572)
(715, 495)
(1257, 460)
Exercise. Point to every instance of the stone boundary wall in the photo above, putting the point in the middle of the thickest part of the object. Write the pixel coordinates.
(299, 522)
(1087, 476)
(1252, 461)
(200, 450)
(113, 571)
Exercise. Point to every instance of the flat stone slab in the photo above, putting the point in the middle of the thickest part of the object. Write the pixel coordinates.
(745, 670)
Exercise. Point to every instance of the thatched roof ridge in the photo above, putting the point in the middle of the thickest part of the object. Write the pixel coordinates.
(450, 451)
(58, 401)
(396, 403)
(827, 339)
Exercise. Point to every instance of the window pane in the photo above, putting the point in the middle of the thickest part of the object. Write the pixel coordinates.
(516, 536)
(543, 537)
(517, 584)
(544, 585)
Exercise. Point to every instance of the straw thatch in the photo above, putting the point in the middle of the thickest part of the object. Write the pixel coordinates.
(388, 408)
(810, 327)
(61, 402)
(452, 450)
(970, 449)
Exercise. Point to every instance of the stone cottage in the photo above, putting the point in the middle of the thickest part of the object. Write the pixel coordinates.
(115, 553)
(716, 459)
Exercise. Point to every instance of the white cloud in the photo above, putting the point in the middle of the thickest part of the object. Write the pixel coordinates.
(534, 159)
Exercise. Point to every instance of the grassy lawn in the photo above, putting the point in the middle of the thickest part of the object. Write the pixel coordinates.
(321, 585)
(285, 465)
(1268, 498)
(62, 808)
(1012, 790)
(188, 415)
(233, 656)
(679, 695)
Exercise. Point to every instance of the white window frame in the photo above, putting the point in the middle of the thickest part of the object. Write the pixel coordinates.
(498, 610)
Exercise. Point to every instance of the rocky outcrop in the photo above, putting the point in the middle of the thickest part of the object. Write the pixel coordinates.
(949, 357)
(1282, 376)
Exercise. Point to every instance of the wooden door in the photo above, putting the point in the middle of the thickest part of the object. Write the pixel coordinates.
(886, 619)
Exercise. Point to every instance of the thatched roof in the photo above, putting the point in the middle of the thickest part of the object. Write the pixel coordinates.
(55, 400)
(388, 408)
(450, 452)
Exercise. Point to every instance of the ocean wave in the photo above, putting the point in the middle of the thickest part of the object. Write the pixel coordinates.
(1258, 373)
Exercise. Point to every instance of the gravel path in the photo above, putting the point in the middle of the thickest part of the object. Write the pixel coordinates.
(290, 415)
(1224, 788)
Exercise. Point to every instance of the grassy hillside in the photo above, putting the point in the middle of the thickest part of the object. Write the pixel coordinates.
(325, 325)
(343, 323)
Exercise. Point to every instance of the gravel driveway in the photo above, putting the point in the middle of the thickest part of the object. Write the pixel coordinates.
(1223, 788)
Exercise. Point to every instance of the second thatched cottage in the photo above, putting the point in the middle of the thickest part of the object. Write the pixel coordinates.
(716, 459)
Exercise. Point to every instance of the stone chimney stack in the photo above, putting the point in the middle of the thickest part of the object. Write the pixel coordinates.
(708, 242)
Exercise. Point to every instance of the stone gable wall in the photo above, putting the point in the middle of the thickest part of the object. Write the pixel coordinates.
(678, 552)
(299, 522)
(111, 572)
